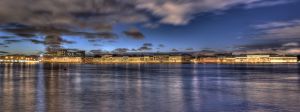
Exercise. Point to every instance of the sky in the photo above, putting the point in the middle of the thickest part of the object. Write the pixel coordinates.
(237, 26)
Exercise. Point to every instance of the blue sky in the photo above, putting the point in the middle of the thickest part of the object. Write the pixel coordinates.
(250, 26)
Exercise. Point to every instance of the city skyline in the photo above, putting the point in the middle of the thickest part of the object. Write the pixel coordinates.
(242, 26)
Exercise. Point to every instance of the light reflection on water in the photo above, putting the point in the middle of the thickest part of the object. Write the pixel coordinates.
(150, 88)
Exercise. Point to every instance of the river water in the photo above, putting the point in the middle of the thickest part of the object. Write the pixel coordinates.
(149, 88)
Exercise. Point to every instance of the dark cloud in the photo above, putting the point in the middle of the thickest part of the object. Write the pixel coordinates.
(148, 44)
(145, 47)
(209, 52)
(12, 41)
(281, 46)
(98, 52)
(111, 41)
(7, 37)
(99, 35)
(134, 50)
(35, 41)
(52, 35)
(174, 50)
(3, 52)
(120, 50)
(3, 45)
(97, 44)
(278, 37)
(85, 13)
(102, 14)
(68, 41)
(161, 45)
(134, 33)
(189, 49)
(32, 31)
(53, 42)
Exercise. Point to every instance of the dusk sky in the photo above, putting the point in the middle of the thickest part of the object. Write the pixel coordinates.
(239, 26)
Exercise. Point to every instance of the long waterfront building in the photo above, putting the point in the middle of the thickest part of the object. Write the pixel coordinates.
(154, 58)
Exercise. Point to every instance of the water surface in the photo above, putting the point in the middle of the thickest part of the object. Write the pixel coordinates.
(149, 88)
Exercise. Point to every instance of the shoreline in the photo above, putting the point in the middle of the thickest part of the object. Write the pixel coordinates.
(151, 63)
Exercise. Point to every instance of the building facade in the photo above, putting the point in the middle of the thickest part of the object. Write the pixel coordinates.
(142, 59)
(247, 59)
(62, 60)
(19, 59)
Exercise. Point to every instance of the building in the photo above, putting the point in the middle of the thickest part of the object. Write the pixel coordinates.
(247, 59)
(283, 59)
(64, 56)
(141, 59)
(66, 53)
(19, 59)
(266, 59)
(62, 60)
(180, 59)
(253, 59)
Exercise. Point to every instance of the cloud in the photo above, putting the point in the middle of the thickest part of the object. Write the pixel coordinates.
(52, 34)
(208, 52)
(189, 49)
(161, 45)
(103, 14)
(145, 47)
(3, 52)
(134, 33)
(3, 45)
(277, 37)
(97, 44)
(269, 47)
(85, 13)
(174, 50)
(170, 11)
(53, 42)
(7, 37)
(291, 44)
(120, 50)
(277, 24)
(180, 12)
(35, 41)
(32, 31)
(148, 44)
(98, 52)
(293, 51)
(94, 19)
(11, 41)
(268, 3)
(279, 30)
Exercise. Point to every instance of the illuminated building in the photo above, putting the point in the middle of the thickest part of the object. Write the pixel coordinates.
(142, 59)
(283, 59)
(64, 56)
(247, 59)
(266, 59)
(62, 59)
(253, 59)
(180, 59)
(19, 59)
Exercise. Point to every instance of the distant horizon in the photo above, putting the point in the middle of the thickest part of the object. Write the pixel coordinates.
(249, 26)
(199, 53)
